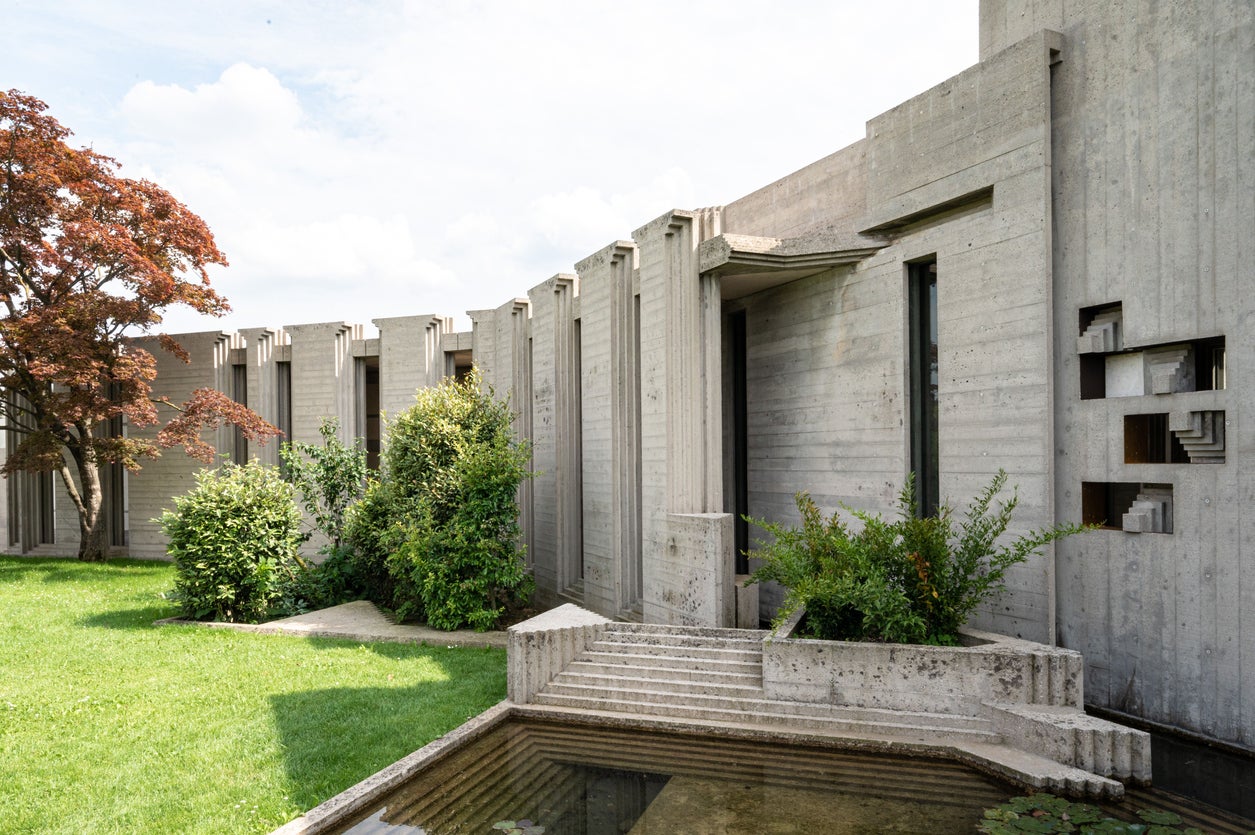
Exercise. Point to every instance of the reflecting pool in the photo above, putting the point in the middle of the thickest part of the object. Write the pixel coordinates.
(585, 780)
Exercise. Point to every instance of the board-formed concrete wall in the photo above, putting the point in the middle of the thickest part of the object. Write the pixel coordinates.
(1154, 196)
(1087, 194)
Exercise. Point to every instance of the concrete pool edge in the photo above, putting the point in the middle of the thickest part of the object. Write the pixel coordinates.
(342, 808)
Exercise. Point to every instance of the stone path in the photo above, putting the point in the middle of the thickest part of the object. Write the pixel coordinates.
(362, 621)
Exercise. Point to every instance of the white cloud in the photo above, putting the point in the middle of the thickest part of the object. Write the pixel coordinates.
(361, 158)
(587, 215)
(244, 100)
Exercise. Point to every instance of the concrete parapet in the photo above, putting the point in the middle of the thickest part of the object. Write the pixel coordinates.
(541, 647)
(958, 680)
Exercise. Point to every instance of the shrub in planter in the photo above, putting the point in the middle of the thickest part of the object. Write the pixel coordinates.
(233, 539)
(909, 580)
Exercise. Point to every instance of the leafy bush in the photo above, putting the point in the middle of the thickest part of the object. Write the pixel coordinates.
(375, 527)
(329, 479)
(233, 538)
(911, 580)
(443, 518)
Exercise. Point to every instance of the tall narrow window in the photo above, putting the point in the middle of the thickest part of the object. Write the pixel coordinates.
(634, 558)
(239, 393)
(925, 457)
(368, 418)
(113, 484)
(283, 404)
(47, 510)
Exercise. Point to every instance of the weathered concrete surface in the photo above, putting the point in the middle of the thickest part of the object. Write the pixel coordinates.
(911, 677)
(909, 699)
(1153, 143)
(541, 647)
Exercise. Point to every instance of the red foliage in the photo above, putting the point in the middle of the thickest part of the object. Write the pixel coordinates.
(88, 259)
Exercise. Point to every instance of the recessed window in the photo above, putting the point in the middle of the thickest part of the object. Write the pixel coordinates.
(1148, 440)
(1133, 507)
(925, 447)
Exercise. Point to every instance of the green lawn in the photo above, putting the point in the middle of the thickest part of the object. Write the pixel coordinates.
(111, 724)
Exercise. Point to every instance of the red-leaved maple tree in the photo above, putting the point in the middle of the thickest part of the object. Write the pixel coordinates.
(88, 260)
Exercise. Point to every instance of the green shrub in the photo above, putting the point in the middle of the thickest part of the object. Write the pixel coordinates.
(911, 580)
(233, 539)
(444, 517)
(329, 478)
(375, 527)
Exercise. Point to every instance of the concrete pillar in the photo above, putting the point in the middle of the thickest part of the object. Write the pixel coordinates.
(323, 383)
(610, 405)
(555, 434)
(689, 565)
(261, 352)
(409, 357)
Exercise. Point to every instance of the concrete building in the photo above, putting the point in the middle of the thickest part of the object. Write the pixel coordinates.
(1037, 265)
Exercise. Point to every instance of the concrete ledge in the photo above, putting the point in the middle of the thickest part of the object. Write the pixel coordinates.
(1020, 768)
(1071, 736)
(958, 680)
(1016, 767)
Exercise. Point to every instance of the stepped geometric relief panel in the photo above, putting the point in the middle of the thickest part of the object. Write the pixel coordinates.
(1201, 433)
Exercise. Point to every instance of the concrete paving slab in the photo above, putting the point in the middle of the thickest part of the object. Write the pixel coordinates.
(360, 621)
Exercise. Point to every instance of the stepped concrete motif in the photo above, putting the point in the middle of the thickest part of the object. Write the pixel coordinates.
(1007, 706)
(1201, 433)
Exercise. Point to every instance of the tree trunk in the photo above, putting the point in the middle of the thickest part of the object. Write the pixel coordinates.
(87, 496)
(91, 518)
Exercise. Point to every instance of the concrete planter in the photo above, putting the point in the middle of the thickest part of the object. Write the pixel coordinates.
(957, 680)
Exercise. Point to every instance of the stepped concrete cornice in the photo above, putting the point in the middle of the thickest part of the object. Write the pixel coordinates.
(1003, 705)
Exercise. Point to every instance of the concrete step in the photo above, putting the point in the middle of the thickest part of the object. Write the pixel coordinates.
(1037, 771)
(747, 654)
(756, 704)
(670, 684)
(1072, 737)
(768, 714)
(683, 635)
(748, 665)
(699, 672)
(573, 593)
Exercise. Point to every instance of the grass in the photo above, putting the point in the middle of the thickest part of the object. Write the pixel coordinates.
(111, 724)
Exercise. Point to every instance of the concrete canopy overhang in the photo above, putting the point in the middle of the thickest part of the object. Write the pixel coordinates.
(747, 264)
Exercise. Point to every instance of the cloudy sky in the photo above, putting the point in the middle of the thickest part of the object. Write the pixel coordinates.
(359, 159)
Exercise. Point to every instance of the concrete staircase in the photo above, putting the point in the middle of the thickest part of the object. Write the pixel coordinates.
(715, 676)
(573, 663)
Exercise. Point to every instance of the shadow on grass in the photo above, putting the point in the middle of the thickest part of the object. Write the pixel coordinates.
(142, 617)
(333, 738)
(70, 570)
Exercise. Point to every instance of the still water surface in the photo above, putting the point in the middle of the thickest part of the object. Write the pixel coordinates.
(576, 780)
